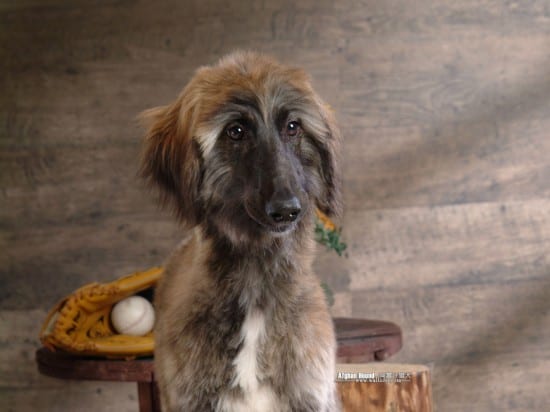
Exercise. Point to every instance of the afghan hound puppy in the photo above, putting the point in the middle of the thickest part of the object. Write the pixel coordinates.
(244, 156)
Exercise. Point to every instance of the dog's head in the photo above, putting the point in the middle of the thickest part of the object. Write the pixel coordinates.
(247, 148)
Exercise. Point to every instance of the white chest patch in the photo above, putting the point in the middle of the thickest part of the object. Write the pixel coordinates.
(246, 361)
(256, 396)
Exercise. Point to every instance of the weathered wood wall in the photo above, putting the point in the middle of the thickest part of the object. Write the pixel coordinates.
(445, 107)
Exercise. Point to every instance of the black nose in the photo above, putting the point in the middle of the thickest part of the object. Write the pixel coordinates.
(283, 210)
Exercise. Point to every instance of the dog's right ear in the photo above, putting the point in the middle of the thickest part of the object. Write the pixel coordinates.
(171, 159)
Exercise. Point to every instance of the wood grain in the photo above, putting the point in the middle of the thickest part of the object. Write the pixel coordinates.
(23, 388)
(476, 337)
(445, 112)
(384, 387)
(481, 243)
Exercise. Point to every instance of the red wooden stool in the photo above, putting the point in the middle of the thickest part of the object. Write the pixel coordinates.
(359, 341)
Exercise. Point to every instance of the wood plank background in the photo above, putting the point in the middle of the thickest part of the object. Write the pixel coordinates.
(445, 109)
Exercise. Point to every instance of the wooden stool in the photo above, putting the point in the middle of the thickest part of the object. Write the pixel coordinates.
(359, 340)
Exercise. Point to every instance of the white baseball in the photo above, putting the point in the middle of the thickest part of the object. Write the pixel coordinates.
(133, 316)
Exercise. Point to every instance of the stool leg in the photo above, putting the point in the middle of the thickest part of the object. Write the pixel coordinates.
(146, 396)
(156, 397)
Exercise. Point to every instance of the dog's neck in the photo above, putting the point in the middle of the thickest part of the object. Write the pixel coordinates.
(259, 270)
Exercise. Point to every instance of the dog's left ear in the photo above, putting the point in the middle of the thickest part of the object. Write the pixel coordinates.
(171, 160)
(330, 202)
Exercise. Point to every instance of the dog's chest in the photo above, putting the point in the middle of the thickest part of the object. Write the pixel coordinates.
(256, 395)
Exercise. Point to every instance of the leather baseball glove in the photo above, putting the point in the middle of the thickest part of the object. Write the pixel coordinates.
(80, 323)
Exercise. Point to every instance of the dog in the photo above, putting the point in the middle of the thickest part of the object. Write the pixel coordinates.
(244, 156)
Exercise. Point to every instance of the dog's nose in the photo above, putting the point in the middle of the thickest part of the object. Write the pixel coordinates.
(283, 210)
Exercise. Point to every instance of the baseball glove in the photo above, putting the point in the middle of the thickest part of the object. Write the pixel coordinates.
(80, 323)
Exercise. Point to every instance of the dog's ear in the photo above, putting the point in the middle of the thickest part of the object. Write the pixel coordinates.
(171, 159)
(330, 202)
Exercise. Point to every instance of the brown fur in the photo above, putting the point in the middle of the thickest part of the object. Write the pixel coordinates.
(246, 264)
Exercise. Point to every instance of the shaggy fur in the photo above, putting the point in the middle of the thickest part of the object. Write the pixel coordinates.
(244, 156)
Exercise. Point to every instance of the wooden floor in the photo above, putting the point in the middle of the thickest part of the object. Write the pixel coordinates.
(445, 108)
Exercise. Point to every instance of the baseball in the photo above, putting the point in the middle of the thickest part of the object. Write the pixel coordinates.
(133, 316)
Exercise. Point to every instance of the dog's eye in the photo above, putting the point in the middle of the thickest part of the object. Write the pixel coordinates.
(235, 131)
(292, 128)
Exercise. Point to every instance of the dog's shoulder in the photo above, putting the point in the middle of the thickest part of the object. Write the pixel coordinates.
(185, 243)
(191, 245)
(183, 274)
(189, 256)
